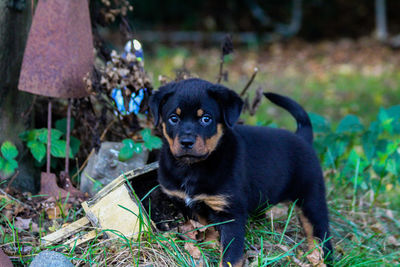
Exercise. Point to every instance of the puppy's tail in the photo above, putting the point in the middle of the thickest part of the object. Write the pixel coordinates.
(304, 127)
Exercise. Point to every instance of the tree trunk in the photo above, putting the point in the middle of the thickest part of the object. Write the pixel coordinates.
(380, 19)
(14, 28)
(15, 21)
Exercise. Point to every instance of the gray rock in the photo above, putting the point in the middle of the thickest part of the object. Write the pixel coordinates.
(50, 259)
(105, 166)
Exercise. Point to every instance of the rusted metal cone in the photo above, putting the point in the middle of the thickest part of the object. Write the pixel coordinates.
(59, 51)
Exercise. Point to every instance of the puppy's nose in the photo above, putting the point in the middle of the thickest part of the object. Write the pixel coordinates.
(187, 142)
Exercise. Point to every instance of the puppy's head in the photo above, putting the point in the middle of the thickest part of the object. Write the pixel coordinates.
(193, 114)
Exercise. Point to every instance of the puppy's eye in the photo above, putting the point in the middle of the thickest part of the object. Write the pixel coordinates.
(173, 119)
(205, 120)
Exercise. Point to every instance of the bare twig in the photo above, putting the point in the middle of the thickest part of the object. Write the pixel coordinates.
(249, 82)
(256, 101)
(226, 49)
(221, 69)
(12, 180)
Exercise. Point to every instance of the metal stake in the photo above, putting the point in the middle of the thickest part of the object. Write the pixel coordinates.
(48, 136)
(68, 137)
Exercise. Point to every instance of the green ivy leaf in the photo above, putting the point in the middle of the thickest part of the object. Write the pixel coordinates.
(150, 142)
(350, 124)
(61, 125)
(9, 167)
(379, 168)
(337, 144)
(146, 134)
(58, 149)
(37, 149)
(9, 150)
(2, 162)
(128, 149)
(368, 141)
(125, 153)
(392, 165)
(42, 135)
(386, 120)
(319, 123)
(351, 166)
(29, 135)
(394, 112)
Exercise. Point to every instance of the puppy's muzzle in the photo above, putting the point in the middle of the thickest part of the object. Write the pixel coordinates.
(187, 143)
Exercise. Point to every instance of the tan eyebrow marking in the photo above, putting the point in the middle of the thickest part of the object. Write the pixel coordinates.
(178, 111)
(200, 112)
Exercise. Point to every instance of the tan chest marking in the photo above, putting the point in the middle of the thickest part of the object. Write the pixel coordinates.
(215, 202)
(174, 193)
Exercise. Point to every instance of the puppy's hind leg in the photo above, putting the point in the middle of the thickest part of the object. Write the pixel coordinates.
(314, 219)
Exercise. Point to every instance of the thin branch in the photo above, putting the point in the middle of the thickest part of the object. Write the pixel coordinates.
(249, 82)
(12, 180)
(221, 68)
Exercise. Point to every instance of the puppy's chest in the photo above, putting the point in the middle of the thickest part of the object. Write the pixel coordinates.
(194, 195)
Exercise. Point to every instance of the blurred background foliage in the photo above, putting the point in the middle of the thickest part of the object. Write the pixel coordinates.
(333, 64)
(321, 19)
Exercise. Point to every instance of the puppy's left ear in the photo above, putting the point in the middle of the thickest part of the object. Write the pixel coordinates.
(230, 102)
(158, 98)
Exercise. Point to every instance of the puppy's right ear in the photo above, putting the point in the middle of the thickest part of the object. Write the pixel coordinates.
(158, 98)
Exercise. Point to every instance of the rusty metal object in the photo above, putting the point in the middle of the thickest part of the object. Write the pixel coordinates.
(59, 51)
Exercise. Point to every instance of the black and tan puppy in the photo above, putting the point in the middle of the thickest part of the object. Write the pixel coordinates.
(222, 172)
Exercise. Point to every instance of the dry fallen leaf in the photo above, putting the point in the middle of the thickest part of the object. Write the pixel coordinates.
(22, 223)
(391, 240)
(316, 258)
(279, 211)
(193, 250)
(212, 235)
(188, 229)
(53, 212)
(196, 231)
(377, 228)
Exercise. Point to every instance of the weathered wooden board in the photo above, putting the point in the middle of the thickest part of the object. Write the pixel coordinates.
(113, 209)
(66, 231)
